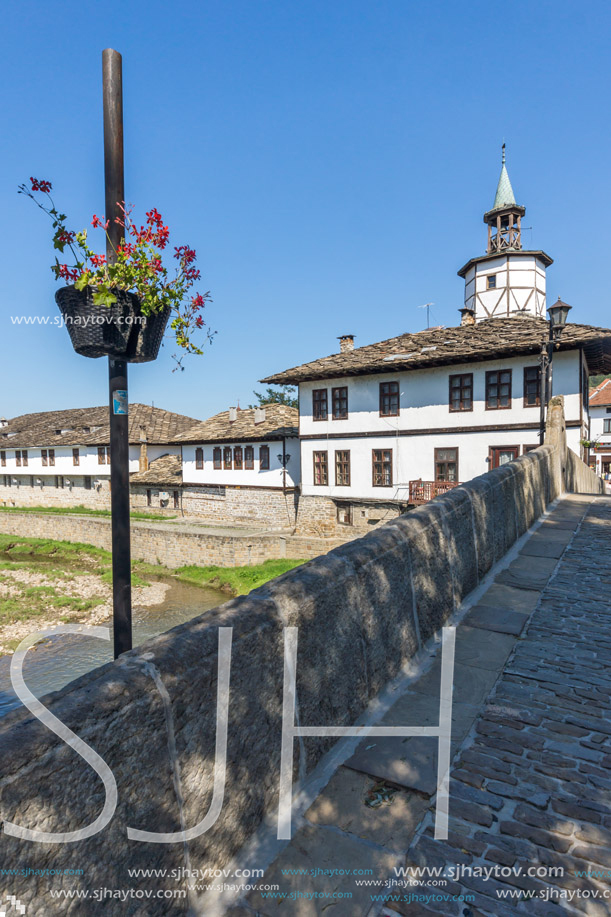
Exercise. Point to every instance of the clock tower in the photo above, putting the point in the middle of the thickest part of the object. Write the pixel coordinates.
(507, 280)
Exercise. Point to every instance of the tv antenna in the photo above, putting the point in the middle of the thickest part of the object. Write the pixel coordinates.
(427, 306)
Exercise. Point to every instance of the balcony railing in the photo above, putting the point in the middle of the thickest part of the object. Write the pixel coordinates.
(423, 491)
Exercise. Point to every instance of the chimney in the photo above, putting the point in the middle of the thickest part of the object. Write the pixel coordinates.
(3, 422)
(467, 316)
(233, 415)
(259, 415)
(346, 342)
(143, 463)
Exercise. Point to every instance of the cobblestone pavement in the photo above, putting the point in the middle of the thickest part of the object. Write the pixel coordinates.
(531, 774)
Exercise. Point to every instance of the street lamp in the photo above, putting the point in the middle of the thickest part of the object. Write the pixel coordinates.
(558, 314)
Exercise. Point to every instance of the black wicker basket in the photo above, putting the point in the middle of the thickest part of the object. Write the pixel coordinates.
(119, 330)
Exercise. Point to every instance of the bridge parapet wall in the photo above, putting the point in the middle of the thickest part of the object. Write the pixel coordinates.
(361, 611)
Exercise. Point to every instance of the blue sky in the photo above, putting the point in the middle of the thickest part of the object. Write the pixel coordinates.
(329, 161)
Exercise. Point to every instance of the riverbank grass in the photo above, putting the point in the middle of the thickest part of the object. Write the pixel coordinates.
(236, 580)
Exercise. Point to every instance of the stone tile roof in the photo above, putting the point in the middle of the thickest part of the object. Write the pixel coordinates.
(601, 395)
(165, 471)
(487, 340)
(280, 420)
(90, 426)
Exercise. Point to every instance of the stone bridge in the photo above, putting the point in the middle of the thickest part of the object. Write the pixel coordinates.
(517, 561)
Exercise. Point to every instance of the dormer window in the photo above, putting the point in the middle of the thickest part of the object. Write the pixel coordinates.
(491, 282)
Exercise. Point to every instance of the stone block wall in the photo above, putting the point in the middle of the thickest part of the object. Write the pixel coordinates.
(274, 509)
(318, 515)
(29, 493)
(358, 611)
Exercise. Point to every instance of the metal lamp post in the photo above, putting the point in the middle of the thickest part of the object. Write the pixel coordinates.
(112, 79)
(558, 314)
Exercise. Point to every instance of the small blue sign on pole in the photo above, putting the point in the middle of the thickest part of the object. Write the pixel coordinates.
(119, 402)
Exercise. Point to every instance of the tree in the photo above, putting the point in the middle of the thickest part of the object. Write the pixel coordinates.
(596, 380)
(281, 394)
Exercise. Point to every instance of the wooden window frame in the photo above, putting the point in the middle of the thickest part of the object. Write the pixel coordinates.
(493, 449)
(388, 390)
(381, 462)
(87, 482)
(238, 458)
(3, 458)
(217, 458)
(76, 457)
(606, 425)
(18, 458)
(323, 464)
(227, 454)
(344, 463)
(446, 462)
(102, 455)
(498, 372)
(461, 388)
(199, 459)
(264, 458)
(249, 458)
(44, 458)
(149, 497)
(320, 404)
(338, 396)
(537, 403)
(52, 458)
(489, 285)
(176, 496)
(24, 458)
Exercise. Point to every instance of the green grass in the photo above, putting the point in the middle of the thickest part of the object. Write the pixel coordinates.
(80, 511)
(239, 580)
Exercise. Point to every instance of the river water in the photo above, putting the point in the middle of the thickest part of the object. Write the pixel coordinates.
(55, 662)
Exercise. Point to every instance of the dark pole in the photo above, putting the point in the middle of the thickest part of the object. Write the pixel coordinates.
(117, 369)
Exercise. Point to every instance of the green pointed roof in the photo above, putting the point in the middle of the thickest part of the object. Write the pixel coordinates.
(504, 193)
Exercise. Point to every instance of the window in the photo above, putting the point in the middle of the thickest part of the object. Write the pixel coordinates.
(501, 455)
(491, 282)
(75, 457)
(87, 482)
(319, 404)
(342, 468)
(249, 457)
(149, 498)
(607, 411)
(344, 514)
(446, 465)
(217, 458)
(530, 448)
(52, 457)
(44, 455)
(339, 400)
(498, 390)
(3, 458)
(263, 458)
(532, 387)
(24, 457)
(59, 480)
(199, 458)
(382, 465)
(238, 458)
(31, 480)
(389, 399)
(607, 425)
(176, 500)
(227, 458)
(461, 392)
(321, 469)
(103, 455)
(18, 457)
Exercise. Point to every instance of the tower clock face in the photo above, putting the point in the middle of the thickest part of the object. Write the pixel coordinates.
(10, 906)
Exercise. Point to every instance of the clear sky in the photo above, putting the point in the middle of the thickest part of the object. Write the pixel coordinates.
(330, 160)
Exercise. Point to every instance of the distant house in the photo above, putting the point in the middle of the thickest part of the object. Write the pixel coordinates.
(63, 457)
(600, 428)
(242, 466)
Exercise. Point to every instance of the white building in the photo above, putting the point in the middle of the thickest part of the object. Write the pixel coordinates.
(241, 466)
(63, 457)
(600, 429)
(394, 423)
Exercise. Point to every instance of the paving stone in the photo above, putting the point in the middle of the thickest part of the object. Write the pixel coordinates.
(528, 572)
(495, 619)
(342, 803)
(539, 546)
(315, 847)
(510, 597)
(416, 709)
(472, 685)
(482, 648)
(410, 762)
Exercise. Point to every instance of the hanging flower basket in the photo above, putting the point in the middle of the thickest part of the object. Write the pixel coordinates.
(119, 330)
(120, 305)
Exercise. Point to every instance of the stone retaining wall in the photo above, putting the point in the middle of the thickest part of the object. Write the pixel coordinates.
(356, 610)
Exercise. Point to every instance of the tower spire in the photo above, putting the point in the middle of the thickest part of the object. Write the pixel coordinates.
(504, 192)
